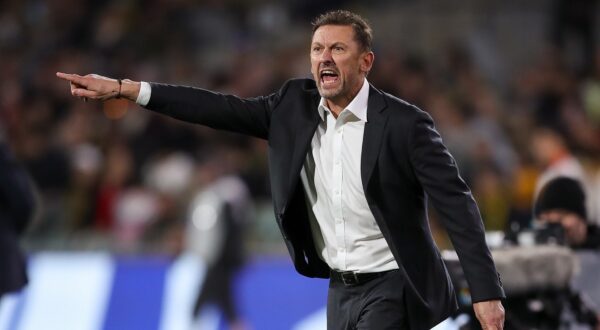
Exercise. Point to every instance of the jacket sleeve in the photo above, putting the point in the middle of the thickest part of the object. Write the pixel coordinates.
(250, 116)
(16, 193)
(437, 172)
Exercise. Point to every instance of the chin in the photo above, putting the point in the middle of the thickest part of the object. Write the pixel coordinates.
(330, 93)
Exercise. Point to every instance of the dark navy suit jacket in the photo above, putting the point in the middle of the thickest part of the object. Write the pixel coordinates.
(404, 164)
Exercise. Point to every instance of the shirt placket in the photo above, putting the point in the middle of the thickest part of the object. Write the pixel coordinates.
(337, 193)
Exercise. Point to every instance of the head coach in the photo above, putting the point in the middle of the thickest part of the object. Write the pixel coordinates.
(351, 170)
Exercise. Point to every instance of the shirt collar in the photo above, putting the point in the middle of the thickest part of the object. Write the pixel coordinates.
(358, 105)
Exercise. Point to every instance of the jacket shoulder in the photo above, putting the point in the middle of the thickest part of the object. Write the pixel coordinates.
(294, 94)
(405, 109)
(300, 85)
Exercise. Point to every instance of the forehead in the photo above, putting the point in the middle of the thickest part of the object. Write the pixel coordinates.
(329, 34)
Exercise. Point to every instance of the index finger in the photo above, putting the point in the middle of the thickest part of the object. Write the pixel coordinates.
(74, 78)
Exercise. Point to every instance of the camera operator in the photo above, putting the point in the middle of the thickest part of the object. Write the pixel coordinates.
(539, 267)
(560, 210)
(562, 202)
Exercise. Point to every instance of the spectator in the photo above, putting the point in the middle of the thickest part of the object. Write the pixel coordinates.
(16, 209)
(554, 157)
(562, 201)
(219, 213)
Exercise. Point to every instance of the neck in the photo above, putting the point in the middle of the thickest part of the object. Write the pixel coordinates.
(338, 105)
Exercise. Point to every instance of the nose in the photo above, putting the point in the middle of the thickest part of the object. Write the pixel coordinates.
(326, 56)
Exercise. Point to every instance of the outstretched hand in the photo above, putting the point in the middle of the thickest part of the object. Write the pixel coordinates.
(490, 314)
(96, 87)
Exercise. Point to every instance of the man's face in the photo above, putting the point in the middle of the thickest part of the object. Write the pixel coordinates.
(575, 227)
(338, 63)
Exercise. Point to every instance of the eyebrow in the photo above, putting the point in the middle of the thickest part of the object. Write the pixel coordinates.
(337, 43)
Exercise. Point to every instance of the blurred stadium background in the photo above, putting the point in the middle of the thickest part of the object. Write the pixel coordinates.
(506, 82)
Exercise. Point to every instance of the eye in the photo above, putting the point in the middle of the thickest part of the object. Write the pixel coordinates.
(338, 49)
(316, 49)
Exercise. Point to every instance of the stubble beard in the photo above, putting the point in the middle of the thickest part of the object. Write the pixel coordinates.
(331, 94)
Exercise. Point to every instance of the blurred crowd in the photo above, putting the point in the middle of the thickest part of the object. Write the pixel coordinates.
(116, 176)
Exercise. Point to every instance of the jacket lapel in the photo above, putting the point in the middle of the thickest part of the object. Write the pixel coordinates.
(306, 124)
(376, 121)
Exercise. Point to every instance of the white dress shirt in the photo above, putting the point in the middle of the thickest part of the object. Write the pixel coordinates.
(344, 229)
(144, 94)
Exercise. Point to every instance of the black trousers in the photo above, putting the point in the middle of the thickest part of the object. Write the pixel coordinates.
(376, 304)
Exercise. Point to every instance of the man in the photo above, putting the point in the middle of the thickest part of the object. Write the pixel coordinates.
(551, 151)
(562, 201)
(351, 169)
(219, 212)
(16, 209)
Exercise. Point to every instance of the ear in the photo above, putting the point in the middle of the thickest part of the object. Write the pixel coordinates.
(366, 61)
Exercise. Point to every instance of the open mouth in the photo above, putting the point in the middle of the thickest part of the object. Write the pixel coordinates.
(329, 77)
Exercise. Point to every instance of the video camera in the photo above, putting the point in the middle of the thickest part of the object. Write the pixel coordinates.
(536, 280)
(549, 233)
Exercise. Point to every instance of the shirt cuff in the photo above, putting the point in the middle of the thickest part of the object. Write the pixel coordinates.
(144, 95)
